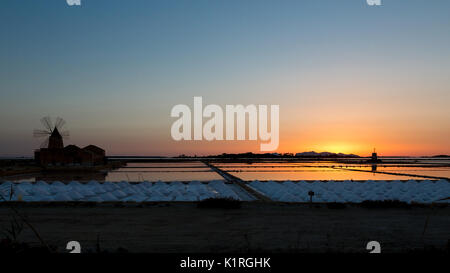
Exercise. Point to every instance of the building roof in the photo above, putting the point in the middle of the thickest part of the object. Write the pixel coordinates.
(72, 148)
(94, 149)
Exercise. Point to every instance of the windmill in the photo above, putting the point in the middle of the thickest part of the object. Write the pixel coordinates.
(53, 133)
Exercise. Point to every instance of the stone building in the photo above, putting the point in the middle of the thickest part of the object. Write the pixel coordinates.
(58, 155)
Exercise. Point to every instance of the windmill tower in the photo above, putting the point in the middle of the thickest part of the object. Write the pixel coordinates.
(55, 140)
(53, 133)
(374, 155)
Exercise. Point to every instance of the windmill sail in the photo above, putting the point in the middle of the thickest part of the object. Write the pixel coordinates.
(53, 133)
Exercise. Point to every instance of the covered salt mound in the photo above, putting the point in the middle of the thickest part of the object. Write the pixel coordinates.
(425, 191)
(93, 191)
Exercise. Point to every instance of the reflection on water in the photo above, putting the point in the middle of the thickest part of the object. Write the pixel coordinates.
(163, 171)
(330, 170)
(322, 175)
(59, 176)
(188, 171)
(374, 167)
(438, 172)
(162, 176)
(165, 164)
(132, 172)
(412, 170)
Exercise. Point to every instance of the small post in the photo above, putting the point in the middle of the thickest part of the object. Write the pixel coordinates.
(311, 194)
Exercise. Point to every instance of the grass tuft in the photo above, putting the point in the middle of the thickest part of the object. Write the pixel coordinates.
(220, 203)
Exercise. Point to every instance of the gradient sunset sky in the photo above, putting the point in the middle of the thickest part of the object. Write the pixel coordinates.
(348, 77)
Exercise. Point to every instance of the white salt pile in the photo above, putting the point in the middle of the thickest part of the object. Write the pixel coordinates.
(121, 191)
(423, 191)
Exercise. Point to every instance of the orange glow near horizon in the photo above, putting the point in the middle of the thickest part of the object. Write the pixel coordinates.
(319, 131)
(201, 148)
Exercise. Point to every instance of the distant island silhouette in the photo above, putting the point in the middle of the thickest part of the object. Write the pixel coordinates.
(310, 154)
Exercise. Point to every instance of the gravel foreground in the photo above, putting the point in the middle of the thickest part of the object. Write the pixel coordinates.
(253, 228)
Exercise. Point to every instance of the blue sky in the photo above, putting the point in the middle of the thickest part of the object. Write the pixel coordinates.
(113, 69)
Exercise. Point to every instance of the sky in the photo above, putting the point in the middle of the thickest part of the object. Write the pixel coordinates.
(347, 77)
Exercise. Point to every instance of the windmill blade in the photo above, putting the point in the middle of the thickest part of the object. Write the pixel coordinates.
(65, 134)
(45, 143)
(47, 122)
(40, 133)
(49, 129)
(60, 122)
